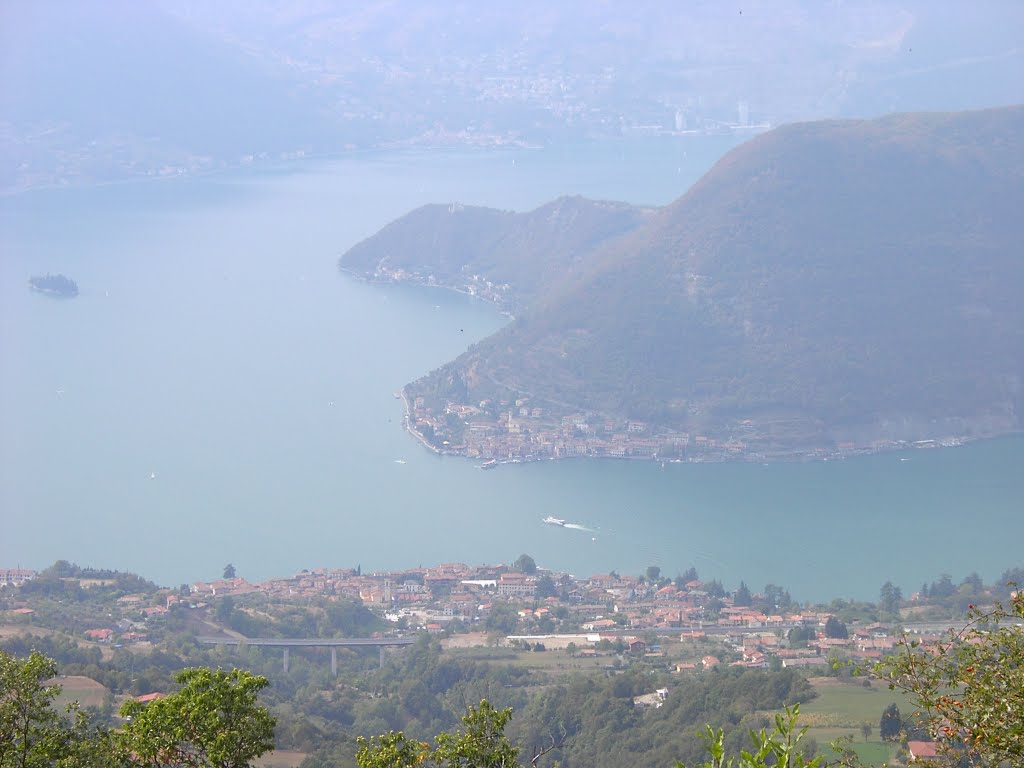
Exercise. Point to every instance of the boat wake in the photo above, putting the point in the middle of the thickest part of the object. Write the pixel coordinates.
(578, 527)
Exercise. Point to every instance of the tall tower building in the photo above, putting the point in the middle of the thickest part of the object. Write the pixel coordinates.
(743, 109)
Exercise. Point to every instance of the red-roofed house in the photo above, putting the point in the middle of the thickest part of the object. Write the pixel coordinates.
(919, 750)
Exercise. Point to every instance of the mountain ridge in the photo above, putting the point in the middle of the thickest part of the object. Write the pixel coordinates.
(504, 256)
(835, 283)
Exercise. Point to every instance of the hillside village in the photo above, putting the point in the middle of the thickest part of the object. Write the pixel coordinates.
(602, 615)
(552, 609)
(517, 430)
(514, 631)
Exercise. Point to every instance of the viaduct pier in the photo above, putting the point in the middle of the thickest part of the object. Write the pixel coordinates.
(286, 643)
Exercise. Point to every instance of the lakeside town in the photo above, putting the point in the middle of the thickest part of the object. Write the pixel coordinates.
(120, 638)
(522, 605)
(514, 431)
(517, 429)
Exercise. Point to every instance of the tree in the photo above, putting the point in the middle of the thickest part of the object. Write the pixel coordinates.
(865, 730)
(889, 598)
(28, 723)
(525, 564)
(503, 618)
(799, 636)
(779, 749)
(35, 734)
(970, 686)
(742, 595)
(546, 587)
(835, 629)
(1008, 581)
(391, 750)
(481, 744)
(891, 724)
(229, 571)
(653, 573)
(943, 587)
(225, 610)
(972, 584)
(777, 597)
(213, 721)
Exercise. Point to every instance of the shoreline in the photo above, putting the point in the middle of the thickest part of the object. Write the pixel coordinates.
(407, 425)
(809, 456)
(503, 311)
(795, 456)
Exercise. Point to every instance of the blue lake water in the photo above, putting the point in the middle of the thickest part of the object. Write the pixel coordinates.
(220, 393)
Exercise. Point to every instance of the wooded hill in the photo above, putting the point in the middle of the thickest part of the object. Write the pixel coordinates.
(520, 254)
(824, 282)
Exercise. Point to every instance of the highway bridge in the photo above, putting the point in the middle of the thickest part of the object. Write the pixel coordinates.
(334, 643)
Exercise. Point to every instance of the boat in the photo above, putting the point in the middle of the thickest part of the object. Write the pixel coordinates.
(554, 520)
(490, 464)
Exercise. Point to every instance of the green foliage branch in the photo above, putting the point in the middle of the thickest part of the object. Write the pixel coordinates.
(33, 733)
(213, 721)
(481, 744)
(26, 718)
(970, 687)
(779, 748)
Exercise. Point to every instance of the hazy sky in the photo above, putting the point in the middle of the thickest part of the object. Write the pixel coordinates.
(139, 87)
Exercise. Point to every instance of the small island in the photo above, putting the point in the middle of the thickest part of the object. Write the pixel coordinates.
(60, 286)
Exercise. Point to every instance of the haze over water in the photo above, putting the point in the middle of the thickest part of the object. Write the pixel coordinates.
(220, 393)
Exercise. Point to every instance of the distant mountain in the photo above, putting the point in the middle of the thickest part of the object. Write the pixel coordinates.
(825, 283)
(101, 91)
(505, 256)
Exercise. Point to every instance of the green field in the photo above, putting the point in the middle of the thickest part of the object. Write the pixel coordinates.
(555, 662)
(848, 704)
(84, 690)
(842, 707)
(873, 752)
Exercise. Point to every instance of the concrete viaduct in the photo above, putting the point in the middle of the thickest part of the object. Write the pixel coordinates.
(333, 643)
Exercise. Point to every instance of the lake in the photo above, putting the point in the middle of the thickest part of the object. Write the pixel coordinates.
(220, 393)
